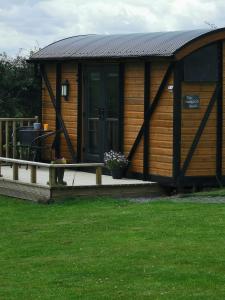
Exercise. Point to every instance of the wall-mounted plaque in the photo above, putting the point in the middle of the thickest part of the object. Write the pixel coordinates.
(191, 101)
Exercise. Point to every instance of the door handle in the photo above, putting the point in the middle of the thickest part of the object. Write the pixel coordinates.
(101, 113)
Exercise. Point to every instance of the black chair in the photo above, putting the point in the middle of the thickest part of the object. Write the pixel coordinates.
(24, 135)
(39, 144)
(32, 142)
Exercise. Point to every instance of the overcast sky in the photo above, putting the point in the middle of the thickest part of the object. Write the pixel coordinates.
(30, 24)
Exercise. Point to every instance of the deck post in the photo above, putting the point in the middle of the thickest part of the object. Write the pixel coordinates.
(98, 175)
(7, 138)
(52, 176)
(20, 152)
(14, 139)
(33, 174)
(15, 171)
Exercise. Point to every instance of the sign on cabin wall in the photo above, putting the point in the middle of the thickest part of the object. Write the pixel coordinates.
(191, 101)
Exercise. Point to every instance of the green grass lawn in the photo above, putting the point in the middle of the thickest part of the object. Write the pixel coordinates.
(108, 249)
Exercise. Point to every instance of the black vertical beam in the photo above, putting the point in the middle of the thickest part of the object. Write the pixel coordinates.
(58, 107)
(40, 93)
(121, 106)
(146, 120)
(177, 104)
(79, 111)
(219, 125)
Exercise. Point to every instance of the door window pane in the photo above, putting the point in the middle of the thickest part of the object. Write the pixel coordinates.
(112, 94)
(94, 94)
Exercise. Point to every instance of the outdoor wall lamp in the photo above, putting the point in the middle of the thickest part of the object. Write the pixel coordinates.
(65, 89)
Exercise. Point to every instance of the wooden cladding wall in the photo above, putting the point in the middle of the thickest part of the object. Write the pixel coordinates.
(69, 107)
(161, 125)
(133, 111)
(203, 162)
(48, 111)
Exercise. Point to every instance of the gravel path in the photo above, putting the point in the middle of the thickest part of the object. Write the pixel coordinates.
(183, 199)
(200, 199)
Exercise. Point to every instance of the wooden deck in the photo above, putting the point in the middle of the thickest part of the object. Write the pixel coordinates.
(37, 181)
(71, 177)
(79, 184)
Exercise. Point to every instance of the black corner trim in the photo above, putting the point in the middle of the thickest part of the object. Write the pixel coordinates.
(121, 105)
(177, 95)
(79, 111)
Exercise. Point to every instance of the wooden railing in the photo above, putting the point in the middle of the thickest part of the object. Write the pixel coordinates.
(8, 130)
(16, 163)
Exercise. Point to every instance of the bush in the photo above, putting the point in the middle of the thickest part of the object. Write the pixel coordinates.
(19, 88)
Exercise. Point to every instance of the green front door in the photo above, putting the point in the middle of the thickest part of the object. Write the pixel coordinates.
(101, 111)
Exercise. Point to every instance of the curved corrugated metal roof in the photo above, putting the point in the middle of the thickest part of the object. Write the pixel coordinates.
(119, 45)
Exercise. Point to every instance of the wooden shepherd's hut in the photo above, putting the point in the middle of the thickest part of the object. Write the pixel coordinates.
(156, 97)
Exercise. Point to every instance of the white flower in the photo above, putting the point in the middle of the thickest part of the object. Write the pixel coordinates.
(114, 160)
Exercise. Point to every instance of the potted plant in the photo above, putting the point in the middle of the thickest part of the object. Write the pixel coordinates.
(115, 162)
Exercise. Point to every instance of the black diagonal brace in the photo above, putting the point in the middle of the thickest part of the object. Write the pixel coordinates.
(150, 110)
(199, 133)
(219, 127)
(146, 129)
(58, 114)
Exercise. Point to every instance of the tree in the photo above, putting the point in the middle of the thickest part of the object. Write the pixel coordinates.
(19, 88)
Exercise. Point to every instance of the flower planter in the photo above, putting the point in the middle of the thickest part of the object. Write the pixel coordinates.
(117, 173)
(116, 162)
